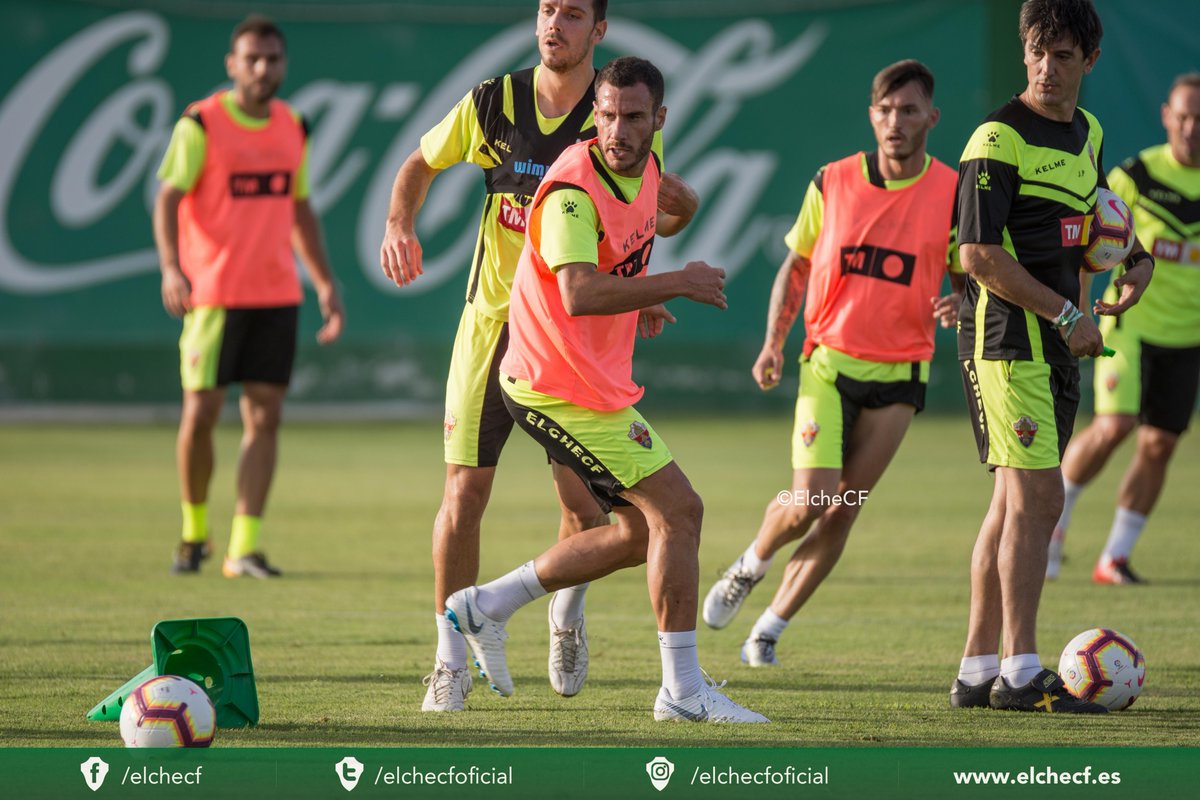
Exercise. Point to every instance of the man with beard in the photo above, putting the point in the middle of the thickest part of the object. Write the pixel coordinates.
(513, 127)
(872, 244)
(233, 203)
(581, 293)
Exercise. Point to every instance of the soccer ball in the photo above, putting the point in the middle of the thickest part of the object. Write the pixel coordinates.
(168, 711)
(1109, 236)
(1103, 666)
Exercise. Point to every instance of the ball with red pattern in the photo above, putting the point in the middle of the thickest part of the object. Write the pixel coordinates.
(168, 711)
(1109, 236)
(1103, 666)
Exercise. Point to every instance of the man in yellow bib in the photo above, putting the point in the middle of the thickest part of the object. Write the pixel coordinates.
(1151, 384)
(580, 295)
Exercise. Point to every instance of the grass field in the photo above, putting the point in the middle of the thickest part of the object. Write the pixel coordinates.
(88, 517)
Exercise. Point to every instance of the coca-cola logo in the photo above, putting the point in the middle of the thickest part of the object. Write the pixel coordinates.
(707, 87)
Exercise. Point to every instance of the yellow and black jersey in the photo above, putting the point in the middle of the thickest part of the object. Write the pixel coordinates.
(499, 127)
(1165, 198)
(1026, 183)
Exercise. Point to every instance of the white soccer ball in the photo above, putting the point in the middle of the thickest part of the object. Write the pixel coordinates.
(1109, 236)
(1103, 666)
(168, 711)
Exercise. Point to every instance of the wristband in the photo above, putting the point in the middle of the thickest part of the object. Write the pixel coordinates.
(1066, 321)
(1140, 255)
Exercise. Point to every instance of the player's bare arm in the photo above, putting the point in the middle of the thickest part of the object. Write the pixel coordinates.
(677, 204)
(309, 243)
(1132, 285)
(787, 296)
(945, 309)
(999, 273)
(400, 253)
(176, 290)
(586, 292)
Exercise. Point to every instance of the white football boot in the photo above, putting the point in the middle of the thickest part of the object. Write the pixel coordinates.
(484, 634)
(706, 705)
(568, 662)
(725, 598)
(448, 688)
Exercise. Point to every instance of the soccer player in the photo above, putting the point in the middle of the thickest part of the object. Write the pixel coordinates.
(1151, 383)
(232, 205)
(1027, 176)
(513, 127)
(871, 244)
(580, 295)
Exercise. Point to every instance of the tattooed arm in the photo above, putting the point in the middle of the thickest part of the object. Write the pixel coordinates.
(787, 296)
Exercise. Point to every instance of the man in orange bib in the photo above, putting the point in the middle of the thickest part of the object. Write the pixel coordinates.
(234, 199)
(580, 294)
(871, 244)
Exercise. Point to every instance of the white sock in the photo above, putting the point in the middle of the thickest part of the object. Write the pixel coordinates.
(567, 605)
(451, 647)
(1071, 492)
(752, 563)
(1020, 670)
(1126, 528)
(974, 670)
(501, 598)
(680, 664)
(770, 625)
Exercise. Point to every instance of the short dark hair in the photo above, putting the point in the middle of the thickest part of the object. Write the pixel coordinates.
(599, 10)
(259, 25)
(1050, 20)
(900, 74)
(630, 71)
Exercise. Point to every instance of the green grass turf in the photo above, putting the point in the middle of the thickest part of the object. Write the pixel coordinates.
(88, 517)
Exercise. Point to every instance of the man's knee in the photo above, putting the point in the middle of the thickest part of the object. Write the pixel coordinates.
(467, 491)
(1112, 429)
(200, 413)
(1156, 444)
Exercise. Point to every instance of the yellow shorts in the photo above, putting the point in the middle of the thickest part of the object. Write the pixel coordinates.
(609, 450)
(1022, 411)
(476, 424)
(834, 389)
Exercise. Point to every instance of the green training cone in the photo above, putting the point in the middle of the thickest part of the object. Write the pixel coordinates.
(215, 653)
(110, 707)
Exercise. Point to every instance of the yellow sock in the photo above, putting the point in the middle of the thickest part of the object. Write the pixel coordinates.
(195, 522)
(243, 539)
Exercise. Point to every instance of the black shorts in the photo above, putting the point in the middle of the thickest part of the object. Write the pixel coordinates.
(220, 346)
(1170, 379)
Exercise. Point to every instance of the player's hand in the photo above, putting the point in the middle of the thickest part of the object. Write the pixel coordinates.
(675, 197)
(176, 292)
(704, 284)
(652, 319)
(945, 309)
(400, 254)
(1131, 285)
(768, 369)
(333, 314)
(1086, 339)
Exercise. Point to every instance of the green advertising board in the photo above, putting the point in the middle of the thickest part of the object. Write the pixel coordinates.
(760, 94)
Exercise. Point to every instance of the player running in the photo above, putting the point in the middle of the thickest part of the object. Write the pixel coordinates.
(1152, 382)
(1027, 176)
(513, 127)
(581, 293)
(871, 245)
